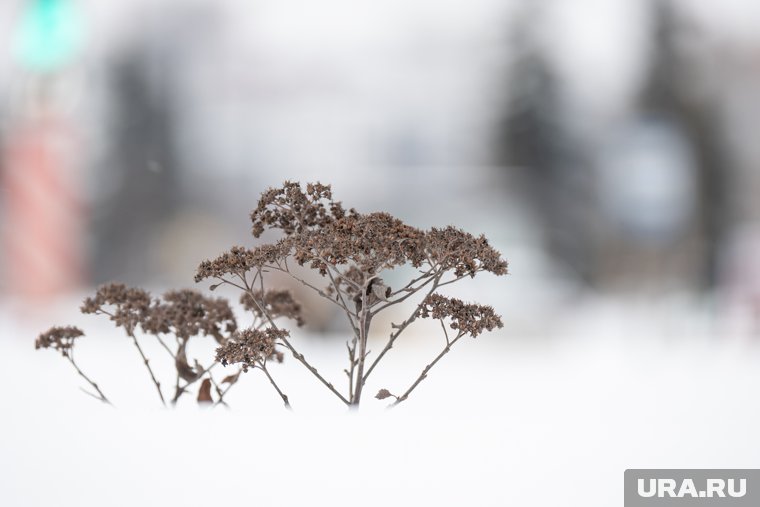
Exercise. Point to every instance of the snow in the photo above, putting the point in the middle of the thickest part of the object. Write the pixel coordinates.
(512, 418)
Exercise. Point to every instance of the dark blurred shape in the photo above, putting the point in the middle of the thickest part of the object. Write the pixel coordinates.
(641, 205)
(143, 164)
(671, 175)
(535, 142)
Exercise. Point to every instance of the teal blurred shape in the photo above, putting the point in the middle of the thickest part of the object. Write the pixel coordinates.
(49, 35)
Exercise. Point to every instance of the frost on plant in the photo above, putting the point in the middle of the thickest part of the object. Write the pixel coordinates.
(351, 252)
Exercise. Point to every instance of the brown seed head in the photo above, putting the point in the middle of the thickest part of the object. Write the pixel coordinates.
(127, 306)
(240, 260)
(58, 338)
(293, 210)
(276, 303)
(251, 347)
(187, 313)
(470, 319)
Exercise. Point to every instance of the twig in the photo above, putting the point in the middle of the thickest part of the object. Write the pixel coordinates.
(101, 397)
(407, 287)
(364, 322)
(274, 384)
(437, 277)
(350, 373)
(320, 292)
(219, 391)
(165, 346)
(147, 365)
(402, 326)
(299, 357)
(226, 389)
(445, 332)
(130, 332)
(424, 373)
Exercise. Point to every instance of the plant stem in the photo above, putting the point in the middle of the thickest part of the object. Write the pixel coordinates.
(402, 326)
(93, 384)
(147, 365)
(427, 369)
(285, 341)
(365, 317)
(282, 395)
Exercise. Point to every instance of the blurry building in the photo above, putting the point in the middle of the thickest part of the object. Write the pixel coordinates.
(662, 174)
(639, 201)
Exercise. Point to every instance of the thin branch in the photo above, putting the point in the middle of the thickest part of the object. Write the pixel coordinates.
(219, 391)
(274, 384)
(292, 349)
(460, 277)
(445, 331)
(314, 371)
(165, 346)
(221, 401)
(402, 326)
(224, 280)
(101, 397)
(412, 292)
(364, 322)
(340, 295)
(427, 369)
(177, 391)
(88, 393)
(147, 365)
(350, 373)
(408, 286)
(322, 293)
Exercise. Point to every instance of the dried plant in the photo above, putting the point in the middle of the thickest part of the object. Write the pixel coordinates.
(349, 250)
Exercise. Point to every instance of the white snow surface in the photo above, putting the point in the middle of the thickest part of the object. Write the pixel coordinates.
(513, 418)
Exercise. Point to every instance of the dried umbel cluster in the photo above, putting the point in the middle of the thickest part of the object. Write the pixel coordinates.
(350, 250)
(172, 320)
(58, 338)
(465, 318)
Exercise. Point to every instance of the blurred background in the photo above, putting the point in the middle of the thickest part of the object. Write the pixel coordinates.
(607, 147)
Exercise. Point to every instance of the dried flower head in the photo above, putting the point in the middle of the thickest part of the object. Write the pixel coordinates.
(187, 313)
(239, 260)
(276, 303)
(126, 306)
(371, 242)
(58, 338)
(462, 252)
(469, 319)
(292, 210)
(251, 347)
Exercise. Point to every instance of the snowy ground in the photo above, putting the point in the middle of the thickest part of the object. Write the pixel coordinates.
(519, 417)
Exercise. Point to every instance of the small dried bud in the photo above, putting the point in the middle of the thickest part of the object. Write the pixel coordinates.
(382, 394)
